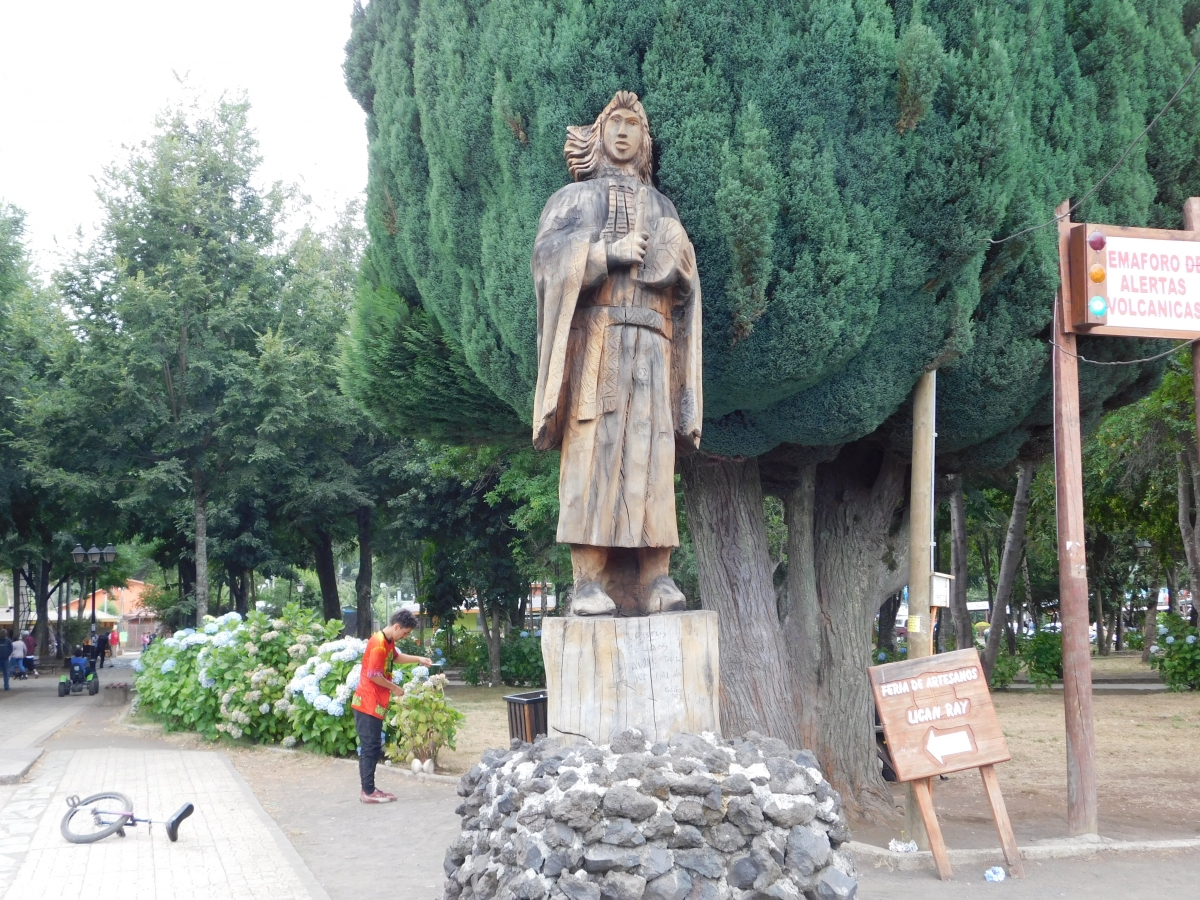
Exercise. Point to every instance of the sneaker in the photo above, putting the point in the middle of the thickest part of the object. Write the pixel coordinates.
(377, 796)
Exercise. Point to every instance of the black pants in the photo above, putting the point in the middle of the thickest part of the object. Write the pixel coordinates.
(370, 748)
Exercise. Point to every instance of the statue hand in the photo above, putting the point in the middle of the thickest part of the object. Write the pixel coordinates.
(629, 250)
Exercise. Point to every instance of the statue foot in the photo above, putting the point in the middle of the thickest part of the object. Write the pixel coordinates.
(590, 600)
(663, 595)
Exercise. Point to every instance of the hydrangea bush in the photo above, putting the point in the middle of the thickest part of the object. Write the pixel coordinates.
(1176, 653)
(319, 696)
(287, 680)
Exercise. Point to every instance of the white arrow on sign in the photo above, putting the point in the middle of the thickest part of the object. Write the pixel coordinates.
(948, 743)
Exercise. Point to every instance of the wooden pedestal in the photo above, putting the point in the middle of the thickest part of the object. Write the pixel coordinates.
(658, 674)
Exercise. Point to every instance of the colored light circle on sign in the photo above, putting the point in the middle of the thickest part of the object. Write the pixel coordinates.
(1096, 273)
(1098, 306)
(1096, 240)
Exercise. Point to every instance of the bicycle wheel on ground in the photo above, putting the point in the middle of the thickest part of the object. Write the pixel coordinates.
(96, 817)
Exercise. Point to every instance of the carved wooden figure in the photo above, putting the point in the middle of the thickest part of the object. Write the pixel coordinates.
(618, 363)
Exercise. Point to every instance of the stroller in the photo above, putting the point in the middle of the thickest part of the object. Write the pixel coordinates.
(82, 676)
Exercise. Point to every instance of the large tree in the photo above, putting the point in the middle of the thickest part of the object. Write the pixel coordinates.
(842, 168)
(169, 304)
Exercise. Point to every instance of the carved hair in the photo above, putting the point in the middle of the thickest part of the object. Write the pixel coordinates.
(584, 149)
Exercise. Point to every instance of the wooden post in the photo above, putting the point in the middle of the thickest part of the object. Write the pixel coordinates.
(922, 790)
(920, 562)
(1072, 560)
(1008, 840)
(1191, 222)
(920, 518)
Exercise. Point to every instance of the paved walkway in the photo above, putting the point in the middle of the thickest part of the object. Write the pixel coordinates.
(230, 848)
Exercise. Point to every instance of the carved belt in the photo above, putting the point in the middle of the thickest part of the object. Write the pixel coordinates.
(629, 315)
(602, 353)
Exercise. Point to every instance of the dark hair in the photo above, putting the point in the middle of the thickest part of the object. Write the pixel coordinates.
(404, 619)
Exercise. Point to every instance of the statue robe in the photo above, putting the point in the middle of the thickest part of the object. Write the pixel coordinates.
(618, 361)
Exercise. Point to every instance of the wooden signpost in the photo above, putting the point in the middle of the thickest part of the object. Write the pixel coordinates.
(938, 717)
(1130, 282)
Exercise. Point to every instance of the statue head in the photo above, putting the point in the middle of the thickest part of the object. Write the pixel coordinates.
(619, 140)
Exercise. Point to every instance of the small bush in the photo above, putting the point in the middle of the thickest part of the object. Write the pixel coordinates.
(521, 663)
(1135, 639)
(1005, 671)
(423, 722)
(882, 655)
(1176, 654)
(1042, 653)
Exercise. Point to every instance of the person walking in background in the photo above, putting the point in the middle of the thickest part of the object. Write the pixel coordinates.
(6, 648)
(30, 644)
(101, 649)
(18, 658)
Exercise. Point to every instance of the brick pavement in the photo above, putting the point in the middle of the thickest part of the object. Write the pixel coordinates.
(228, 849)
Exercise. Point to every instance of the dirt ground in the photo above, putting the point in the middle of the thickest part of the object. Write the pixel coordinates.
(485, 725)
(1146, 747)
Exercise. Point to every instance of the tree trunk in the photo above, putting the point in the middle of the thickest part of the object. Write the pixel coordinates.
(41, 633)
(239, 591)
(1150, 625)
(362, 584)
(16, 604)
(489, 621)
(985, 556)
(1035, 613)
(847, 549)
(1172, 578)
(725, 513)
(886, 634)
(1014, 544)
(187, 579)
(1098, 618)
(1186, 487)
(200, 508)
(331, 604)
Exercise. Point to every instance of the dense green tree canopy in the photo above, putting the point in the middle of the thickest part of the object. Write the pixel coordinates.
(840, 167)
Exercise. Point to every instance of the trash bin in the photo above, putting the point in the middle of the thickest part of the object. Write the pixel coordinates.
(527, 715)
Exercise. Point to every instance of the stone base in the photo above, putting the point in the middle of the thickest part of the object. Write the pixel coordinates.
(658, 674)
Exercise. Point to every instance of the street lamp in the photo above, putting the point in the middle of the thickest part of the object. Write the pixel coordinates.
(1142, 547)
(93, 559)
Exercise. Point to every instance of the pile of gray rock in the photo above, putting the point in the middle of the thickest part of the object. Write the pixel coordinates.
(695, 818)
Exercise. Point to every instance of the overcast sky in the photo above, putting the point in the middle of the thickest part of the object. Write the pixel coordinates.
(81, 78)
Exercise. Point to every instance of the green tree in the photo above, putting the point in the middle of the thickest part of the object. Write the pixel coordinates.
(874, 149)
(169, 304)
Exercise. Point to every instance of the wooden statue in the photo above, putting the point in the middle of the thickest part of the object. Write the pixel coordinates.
(618, 363)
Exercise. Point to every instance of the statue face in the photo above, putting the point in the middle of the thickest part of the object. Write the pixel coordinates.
(623, 135)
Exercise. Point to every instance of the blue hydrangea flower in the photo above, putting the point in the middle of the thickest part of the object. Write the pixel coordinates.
(311, 693)
(265, 708)
(354, 677)
(322, 702)
(420, 673)
(524, 634)
(882, 656)
(336, 709)
(904, 650)
(137, 665)
(167, 666)
(1162, 629)
(1170, 640)
(1191, 639)
(322, 669)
